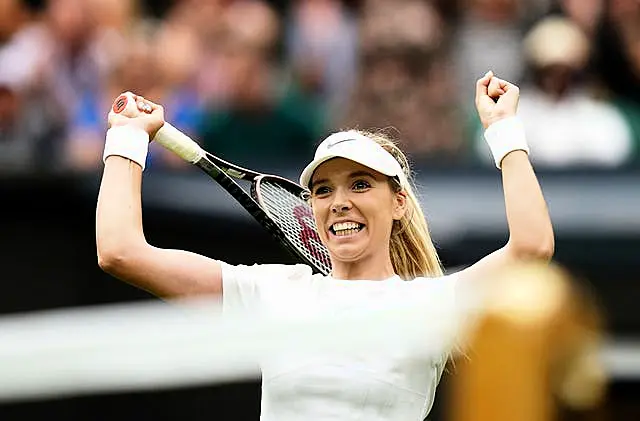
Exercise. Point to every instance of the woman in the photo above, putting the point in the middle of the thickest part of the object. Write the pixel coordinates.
(377, 237)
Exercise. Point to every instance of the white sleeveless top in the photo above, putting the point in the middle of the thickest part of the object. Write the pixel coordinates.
(371, 386)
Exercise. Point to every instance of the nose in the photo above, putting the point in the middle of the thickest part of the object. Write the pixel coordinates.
(340, 208)
(340, 204)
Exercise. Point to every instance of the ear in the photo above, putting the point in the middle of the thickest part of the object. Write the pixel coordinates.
(400, 205)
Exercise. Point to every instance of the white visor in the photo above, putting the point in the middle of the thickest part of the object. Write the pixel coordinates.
(355, 147)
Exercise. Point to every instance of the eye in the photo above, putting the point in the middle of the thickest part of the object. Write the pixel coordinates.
(361, 185)
(321, 191)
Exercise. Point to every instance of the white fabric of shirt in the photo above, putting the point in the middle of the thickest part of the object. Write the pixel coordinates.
(374, 385)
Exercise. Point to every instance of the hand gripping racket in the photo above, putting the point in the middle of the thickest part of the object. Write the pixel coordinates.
(276, 203)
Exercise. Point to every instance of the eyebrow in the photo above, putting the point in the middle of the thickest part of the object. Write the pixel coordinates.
(351, 175)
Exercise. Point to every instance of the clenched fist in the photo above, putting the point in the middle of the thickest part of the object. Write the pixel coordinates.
(496, 99)
(131, 109)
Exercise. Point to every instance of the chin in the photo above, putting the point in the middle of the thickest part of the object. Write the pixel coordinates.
(347, 253)
(348, 249)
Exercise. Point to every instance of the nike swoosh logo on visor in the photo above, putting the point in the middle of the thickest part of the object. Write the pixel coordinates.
(332, 144)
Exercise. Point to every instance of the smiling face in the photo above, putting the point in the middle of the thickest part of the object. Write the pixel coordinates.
(354, 208)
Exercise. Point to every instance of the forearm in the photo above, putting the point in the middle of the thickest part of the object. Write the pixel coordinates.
(119, 209)
(122, 248)
(530, 229)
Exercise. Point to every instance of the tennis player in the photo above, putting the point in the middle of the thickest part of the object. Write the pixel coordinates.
(370, 221)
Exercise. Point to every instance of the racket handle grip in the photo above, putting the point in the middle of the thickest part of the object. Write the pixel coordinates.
(179, 143)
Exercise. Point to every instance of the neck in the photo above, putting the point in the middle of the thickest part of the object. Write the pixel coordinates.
(374, 269)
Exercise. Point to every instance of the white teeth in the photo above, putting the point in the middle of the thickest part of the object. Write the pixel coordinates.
(346, 232)
(345, 226)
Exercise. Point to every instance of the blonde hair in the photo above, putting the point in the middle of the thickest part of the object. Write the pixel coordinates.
(412, 251)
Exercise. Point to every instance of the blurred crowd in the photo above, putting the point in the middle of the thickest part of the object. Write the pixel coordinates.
(259, 82)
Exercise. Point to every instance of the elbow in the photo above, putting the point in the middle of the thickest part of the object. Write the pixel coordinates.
(545, 251)
(117, 259)
(541, 249)
(110, 261)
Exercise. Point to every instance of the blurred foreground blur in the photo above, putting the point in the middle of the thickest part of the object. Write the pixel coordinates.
(533, 355)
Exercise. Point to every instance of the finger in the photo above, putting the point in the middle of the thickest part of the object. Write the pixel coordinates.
(511, 97)
(154, 108)
(155, 111)
(483, 83)
(146, 108)
(506, 86)
(512, 92)
(495, 88)
(144, 104)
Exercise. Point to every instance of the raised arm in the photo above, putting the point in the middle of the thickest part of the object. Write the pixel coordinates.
(530, 231)
(122, 248)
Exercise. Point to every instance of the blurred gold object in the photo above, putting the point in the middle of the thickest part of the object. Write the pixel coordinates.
(535, 346)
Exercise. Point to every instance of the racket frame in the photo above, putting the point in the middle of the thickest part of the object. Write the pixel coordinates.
(224, 173)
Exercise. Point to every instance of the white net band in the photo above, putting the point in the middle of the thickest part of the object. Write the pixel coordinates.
(154, 346)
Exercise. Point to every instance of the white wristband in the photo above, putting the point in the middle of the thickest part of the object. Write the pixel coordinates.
(504, 137)
(127, 141)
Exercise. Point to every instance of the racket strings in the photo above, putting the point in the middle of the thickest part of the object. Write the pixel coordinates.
(295, 218)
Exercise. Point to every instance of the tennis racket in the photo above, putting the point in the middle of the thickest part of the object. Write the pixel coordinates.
(276, 203)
